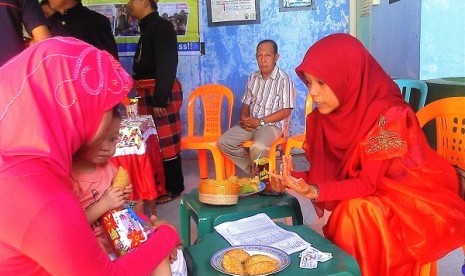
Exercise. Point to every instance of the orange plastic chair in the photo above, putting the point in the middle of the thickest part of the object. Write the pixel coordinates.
(449, 114)
(211, 97)
(125, 101)
(297, 141)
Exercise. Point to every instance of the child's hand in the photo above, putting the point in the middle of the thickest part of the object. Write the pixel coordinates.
(157, 223)
(127, 192)
(113, 198)
(173, 255)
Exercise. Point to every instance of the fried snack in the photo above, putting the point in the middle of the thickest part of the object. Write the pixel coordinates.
(257, 259)
(232, 265)
(238, 253)
(243, 180)
(233, 178)
(255, 181)
(260, 268)
(121, 179)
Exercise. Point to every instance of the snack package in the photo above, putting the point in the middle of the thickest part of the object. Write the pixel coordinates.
(125, 229)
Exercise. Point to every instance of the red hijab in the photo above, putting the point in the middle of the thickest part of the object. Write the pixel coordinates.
(363, 89)
(52, 99)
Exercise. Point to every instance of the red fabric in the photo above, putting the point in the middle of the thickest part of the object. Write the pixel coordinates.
(169, 126)
(55, 102)
(394, 200)
(145, 171)
(363, 90)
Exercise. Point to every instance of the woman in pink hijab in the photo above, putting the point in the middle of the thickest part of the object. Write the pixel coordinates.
(56, 96)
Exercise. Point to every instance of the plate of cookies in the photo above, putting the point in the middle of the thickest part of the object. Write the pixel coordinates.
(250, 260)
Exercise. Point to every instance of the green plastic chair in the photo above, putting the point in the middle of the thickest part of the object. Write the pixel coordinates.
(406, 85)
(207, 216)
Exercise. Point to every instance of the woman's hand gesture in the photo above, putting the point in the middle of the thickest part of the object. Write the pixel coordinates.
(298, 185)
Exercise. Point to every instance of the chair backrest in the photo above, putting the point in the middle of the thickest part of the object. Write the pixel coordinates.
(406, 85)
(211, 97)
(308, 109)
(449, 114)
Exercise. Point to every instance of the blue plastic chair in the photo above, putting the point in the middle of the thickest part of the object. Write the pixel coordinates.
(406, 85)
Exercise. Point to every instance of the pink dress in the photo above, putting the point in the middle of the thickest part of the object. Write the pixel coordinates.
(90, 187)
(53, 99)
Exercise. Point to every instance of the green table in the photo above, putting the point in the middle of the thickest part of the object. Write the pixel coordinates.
(207, 216)
(198, 255)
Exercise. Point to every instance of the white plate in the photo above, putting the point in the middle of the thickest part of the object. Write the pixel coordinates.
(261, 187)
(282, 257)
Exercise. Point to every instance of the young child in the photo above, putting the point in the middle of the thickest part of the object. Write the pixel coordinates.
(92, 176)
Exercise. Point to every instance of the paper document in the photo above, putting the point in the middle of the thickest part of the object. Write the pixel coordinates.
(261, 230)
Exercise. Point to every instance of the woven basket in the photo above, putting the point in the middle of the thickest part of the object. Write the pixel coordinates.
(218, 192)
(218, 199)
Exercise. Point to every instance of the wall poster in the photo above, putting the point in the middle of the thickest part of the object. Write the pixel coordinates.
(233, 12)
(183, 14)
(295, 5)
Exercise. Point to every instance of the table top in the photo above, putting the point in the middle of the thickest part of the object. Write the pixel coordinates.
(198, 255)
(133, 134)
(245, 203)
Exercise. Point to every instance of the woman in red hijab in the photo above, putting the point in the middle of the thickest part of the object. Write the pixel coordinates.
(56, 96)
(394, 201)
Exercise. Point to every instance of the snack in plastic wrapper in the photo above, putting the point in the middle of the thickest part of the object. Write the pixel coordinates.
(125, 229)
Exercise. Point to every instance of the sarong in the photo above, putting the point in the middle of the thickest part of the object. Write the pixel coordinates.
(168, 127)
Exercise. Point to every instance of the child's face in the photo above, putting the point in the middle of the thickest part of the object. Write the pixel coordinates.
(103, 145)
(322, 95)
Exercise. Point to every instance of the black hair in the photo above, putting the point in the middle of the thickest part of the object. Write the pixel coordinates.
(153, 4)
(275, 46)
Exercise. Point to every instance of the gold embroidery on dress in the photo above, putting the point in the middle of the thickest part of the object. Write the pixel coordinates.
(384, 140)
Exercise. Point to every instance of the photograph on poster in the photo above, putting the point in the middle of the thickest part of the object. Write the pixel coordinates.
(123, 24)
(177, 14)
(295, 5)
(183, 15)
(229, 12)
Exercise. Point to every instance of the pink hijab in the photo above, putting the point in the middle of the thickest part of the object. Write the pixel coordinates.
(363, 89)
(52, 99)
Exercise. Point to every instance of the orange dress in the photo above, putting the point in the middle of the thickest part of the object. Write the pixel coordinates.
(413, 215)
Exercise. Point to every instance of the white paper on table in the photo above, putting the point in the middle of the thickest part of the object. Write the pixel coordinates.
(261, 230)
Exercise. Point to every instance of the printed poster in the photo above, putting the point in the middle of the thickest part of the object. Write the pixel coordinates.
(183, 14)
(233, 10)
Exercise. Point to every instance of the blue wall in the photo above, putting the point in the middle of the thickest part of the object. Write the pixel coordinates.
(395, 37)
(442, 43)
(230, 50)
(419, 39)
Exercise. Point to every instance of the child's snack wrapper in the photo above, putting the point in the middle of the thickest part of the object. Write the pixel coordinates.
(125, 229)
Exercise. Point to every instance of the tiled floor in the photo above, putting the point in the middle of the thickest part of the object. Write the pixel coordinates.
(450, 265)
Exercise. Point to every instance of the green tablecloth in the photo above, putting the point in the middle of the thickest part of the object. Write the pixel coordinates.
(198, 255)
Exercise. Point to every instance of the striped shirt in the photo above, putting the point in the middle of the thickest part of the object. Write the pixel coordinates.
(266, 96)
